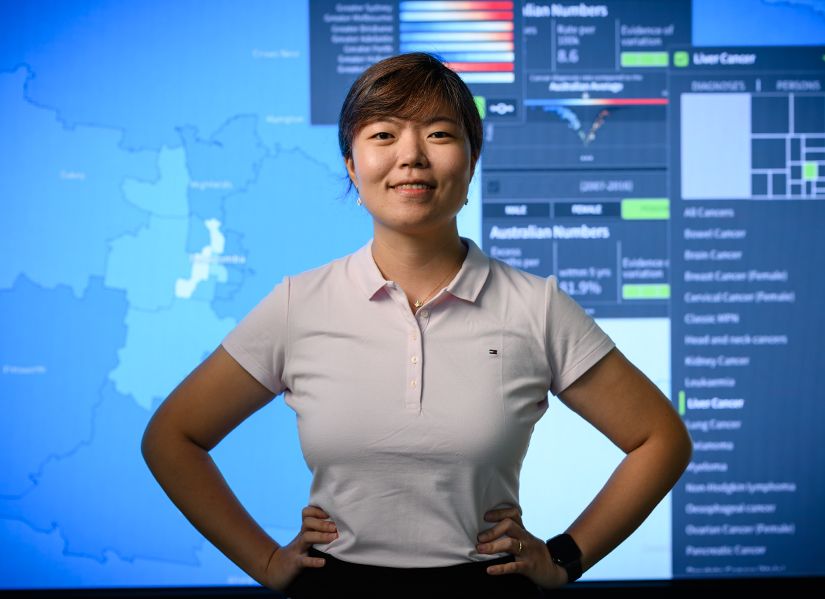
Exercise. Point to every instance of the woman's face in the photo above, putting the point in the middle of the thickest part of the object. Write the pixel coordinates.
(412, 176)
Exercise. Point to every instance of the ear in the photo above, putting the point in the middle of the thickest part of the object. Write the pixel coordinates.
(350, 164)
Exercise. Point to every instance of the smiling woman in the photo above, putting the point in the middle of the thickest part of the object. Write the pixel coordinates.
(418, 368)
(411, 157)
(412, 176)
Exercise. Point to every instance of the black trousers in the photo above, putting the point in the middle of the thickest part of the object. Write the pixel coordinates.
(344, 579)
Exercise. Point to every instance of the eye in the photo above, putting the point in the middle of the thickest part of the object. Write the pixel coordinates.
(440, 134)
(382, 135)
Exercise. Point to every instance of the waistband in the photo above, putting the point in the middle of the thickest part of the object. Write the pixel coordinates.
(469, 579)
(478, 566)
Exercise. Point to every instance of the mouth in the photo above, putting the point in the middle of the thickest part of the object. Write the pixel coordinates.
(412, 186)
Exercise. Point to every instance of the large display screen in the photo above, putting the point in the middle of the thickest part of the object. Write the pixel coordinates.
(166, 163)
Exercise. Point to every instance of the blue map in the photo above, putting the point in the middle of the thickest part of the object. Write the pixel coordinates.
(159, 176)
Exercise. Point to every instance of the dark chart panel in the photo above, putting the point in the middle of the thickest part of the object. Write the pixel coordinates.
(747, 319)
(575, 166)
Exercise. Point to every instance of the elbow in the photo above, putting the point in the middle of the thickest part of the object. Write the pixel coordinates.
(683, 446)
(164, 441)
(686, 455)
(148, 444)
(157, 440)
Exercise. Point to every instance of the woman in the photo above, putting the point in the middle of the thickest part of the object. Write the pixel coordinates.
(417, 368)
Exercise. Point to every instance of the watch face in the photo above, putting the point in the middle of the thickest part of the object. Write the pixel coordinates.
(563, 549)
(565, 553)
(557, 560)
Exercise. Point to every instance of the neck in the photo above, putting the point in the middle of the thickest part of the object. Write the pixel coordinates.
(418, 262)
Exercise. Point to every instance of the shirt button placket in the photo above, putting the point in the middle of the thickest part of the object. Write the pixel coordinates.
(415, 366)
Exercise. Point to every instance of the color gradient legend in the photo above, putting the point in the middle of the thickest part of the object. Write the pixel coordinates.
(474, 38)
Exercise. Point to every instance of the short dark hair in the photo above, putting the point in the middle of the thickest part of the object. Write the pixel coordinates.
(407, 86)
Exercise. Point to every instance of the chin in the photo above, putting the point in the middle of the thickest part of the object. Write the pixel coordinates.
(414, 227)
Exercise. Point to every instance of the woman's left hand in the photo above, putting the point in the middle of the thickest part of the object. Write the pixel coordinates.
(532, 558)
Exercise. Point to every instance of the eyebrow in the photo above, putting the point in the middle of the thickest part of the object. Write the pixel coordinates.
(439, 117)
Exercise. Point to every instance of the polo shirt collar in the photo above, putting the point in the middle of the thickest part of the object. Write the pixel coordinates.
(466, 285)
(473, 273)
(366, 272)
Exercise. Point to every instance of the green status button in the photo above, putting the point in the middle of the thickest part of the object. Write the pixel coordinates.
(651, 291)
(681, 59)
(646, 209)
(645, 59)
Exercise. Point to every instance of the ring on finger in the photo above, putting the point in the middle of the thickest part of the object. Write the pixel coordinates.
(520, 547)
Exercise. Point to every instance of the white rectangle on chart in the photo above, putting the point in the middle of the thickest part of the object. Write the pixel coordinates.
(716, 146)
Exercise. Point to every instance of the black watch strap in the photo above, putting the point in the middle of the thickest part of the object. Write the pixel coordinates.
(564, 552)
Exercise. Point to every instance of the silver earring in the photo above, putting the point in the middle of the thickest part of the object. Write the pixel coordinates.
(358, 201)
(466, 201)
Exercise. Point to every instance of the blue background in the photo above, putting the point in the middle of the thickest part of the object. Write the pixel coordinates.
(128, 130)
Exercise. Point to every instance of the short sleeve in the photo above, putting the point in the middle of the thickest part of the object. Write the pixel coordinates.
(573, 340)
(259, 341)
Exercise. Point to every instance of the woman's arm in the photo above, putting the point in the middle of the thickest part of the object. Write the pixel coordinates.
(621, 402)
(215, 398)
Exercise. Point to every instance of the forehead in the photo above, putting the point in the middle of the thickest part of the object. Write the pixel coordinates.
(419, 114)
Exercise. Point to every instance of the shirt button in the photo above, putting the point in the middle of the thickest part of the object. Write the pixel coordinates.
(412, 383)
(424, 314)
(414, 360)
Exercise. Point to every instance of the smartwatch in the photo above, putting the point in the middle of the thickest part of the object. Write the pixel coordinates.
(565, 553)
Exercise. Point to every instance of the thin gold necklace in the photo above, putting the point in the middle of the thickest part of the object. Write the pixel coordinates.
(420, 301)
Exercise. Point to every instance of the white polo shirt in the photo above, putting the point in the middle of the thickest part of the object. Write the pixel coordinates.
(415, 425)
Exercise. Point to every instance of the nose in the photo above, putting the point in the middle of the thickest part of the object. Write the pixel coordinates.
(412, 151)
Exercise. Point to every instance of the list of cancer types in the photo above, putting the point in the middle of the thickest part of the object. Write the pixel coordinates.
(735, 333)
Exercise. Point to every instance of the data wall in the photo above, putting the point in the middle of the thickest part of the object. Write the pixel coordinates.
(164, 164)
